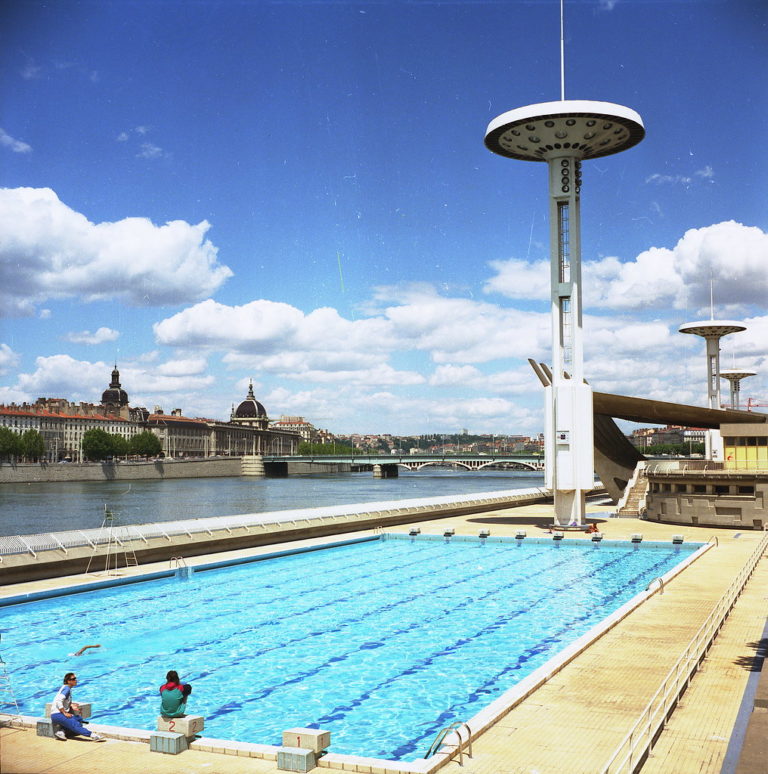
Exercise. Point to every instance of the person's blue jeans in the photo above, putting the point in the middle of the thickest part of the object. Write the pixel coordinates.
(73, 724)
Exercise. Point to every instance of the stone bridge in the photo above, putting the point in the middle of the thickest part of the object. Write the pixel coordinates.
(387, 466)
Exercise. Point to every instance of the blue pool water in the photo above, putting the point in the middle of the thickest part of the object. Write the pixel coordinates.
(382, 642)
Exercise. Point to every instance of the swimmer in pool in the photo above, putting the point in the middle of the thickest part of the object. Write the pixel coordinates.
(83, 649)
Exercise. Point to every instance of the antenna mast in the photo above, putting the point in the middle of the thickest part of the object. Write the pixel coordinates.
(562, 54)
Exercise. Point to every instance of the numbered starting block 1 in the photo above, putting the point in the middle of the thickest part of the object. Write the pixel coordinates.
(307, 738)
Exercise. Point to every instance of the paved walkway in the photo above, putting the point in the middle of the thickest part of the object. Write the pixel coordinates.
(571, 724)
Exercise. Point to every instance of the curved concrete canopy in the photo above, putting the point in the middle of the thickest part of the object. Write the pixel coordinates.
(662, 412)
(616, 458)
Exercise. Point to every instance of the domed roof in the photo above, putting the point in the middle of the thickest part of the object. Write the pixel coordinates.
(250, 408)
(114, 394)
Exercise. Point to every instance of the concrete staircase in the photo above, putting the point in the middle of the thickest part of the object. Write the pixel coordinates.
(633, 502)
(252, 465)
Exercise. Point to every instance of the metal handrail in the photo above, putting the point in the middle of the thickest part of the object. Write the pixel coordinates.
(640, 740)
(274, 520)
(661, 584)
(440, 739)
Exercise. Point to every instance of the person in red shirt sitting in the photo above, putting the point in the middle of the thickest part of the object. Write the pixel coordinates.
(173, 696)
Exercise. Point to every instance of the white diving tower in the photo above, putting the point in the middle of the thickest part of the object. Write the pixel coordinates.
(734, 376)
(563, 134)
(712, 331)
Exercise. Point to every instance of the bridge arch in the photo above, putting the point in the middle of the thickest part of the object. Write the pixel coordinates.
(470, 464)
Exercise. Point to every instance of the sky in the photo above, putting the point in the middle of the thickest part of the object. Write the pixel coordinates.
(297, 193)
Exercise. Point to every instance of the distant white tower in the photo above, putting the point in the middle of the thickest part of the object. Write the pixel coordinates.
(734, 376)
(562, 134)
(713, 331)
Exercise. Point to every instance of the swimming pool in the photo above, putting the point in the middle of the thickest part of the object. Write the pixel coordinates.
(383, 641)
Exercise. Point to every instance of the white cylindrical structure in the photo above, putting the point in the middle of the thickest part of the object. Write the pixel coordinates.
(734, 376)
(562, 134)
(712, 331)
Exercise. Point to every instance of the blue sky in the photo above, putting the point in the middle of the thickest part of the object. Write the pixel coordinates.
(298, 193)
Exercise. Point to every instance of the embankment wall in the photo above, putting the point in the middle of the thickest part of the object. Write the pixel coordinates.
(38, 473)
(118, 471)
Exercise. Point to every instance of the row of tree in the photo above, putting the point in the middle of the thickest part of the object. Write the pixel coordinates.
(677, 449)
(307, 449)
(28, 446)
(96, 445)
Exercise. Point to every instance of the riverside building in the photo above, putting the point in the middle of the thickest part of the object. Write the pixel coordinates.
(62, 424)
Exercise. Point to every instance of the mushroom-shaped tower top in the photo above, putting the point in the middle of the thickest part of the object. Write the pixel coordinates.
(712, 329)
(585, 129)
(735, 374)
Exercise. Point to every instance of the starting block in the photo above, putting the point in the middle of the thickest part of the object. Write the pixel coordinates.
(295, 759)
(187, 725)
(167, 742)
(307, 738)
(45, 727)
(85, 709)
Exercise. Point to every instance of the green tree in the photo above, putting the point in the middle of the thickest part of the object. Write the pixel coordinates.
(145, 444)
(97, 444)
(316, 449)
(10, 444)
(119, 445)
(32, 445)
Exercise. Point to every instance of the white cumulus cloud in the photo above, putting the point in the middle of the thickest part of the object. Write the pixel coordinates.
(48, 250)
(732, 255)
(8, 359)
(66, 377)
(17, 146)
(519, 279)
(97, 337)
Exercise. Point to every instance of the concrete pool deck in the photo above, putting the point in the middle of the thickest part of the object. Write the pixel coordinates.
(570, 725)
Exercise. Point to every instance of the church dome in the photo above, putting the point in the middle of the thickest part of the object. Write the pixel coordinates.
(250, 408)
(114, 395)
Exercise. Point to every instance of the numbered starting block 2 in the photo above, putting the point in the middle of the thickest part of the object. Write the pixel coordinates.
(173, 735)
(188, 725)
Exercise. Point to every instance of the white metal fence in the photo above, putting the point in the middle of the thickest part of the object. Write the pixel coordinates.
(142, 533)
(643, 735)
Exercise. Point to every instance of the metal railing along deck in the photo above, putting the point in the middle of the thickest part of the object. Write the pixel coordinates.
(132, 533)
(638, 743)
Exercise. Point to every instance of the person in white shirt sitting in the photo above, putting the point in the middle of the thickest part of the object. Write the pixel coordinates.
(66, 713)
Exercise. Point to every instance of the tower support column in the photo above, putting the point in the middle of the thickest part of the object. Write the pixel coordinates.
(569, 436)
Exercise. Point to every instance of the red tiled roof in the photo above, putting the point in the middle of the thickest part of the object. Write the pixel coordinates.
(20, 412)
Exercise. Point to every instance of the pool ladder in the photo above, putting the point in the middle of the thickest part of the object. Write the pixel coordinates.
(440, 741)
(179, 565)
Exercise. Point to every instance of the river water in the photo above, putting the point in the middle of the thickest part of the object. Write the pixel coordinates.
(31, 508)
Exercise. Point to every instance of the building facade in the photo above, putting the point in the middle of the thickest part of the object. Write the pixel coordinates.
(62, 425)
(63, 430)
(732, 493)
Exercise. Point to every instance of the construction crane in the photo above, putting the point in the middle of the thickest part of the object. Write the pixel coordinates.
(752, 403)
